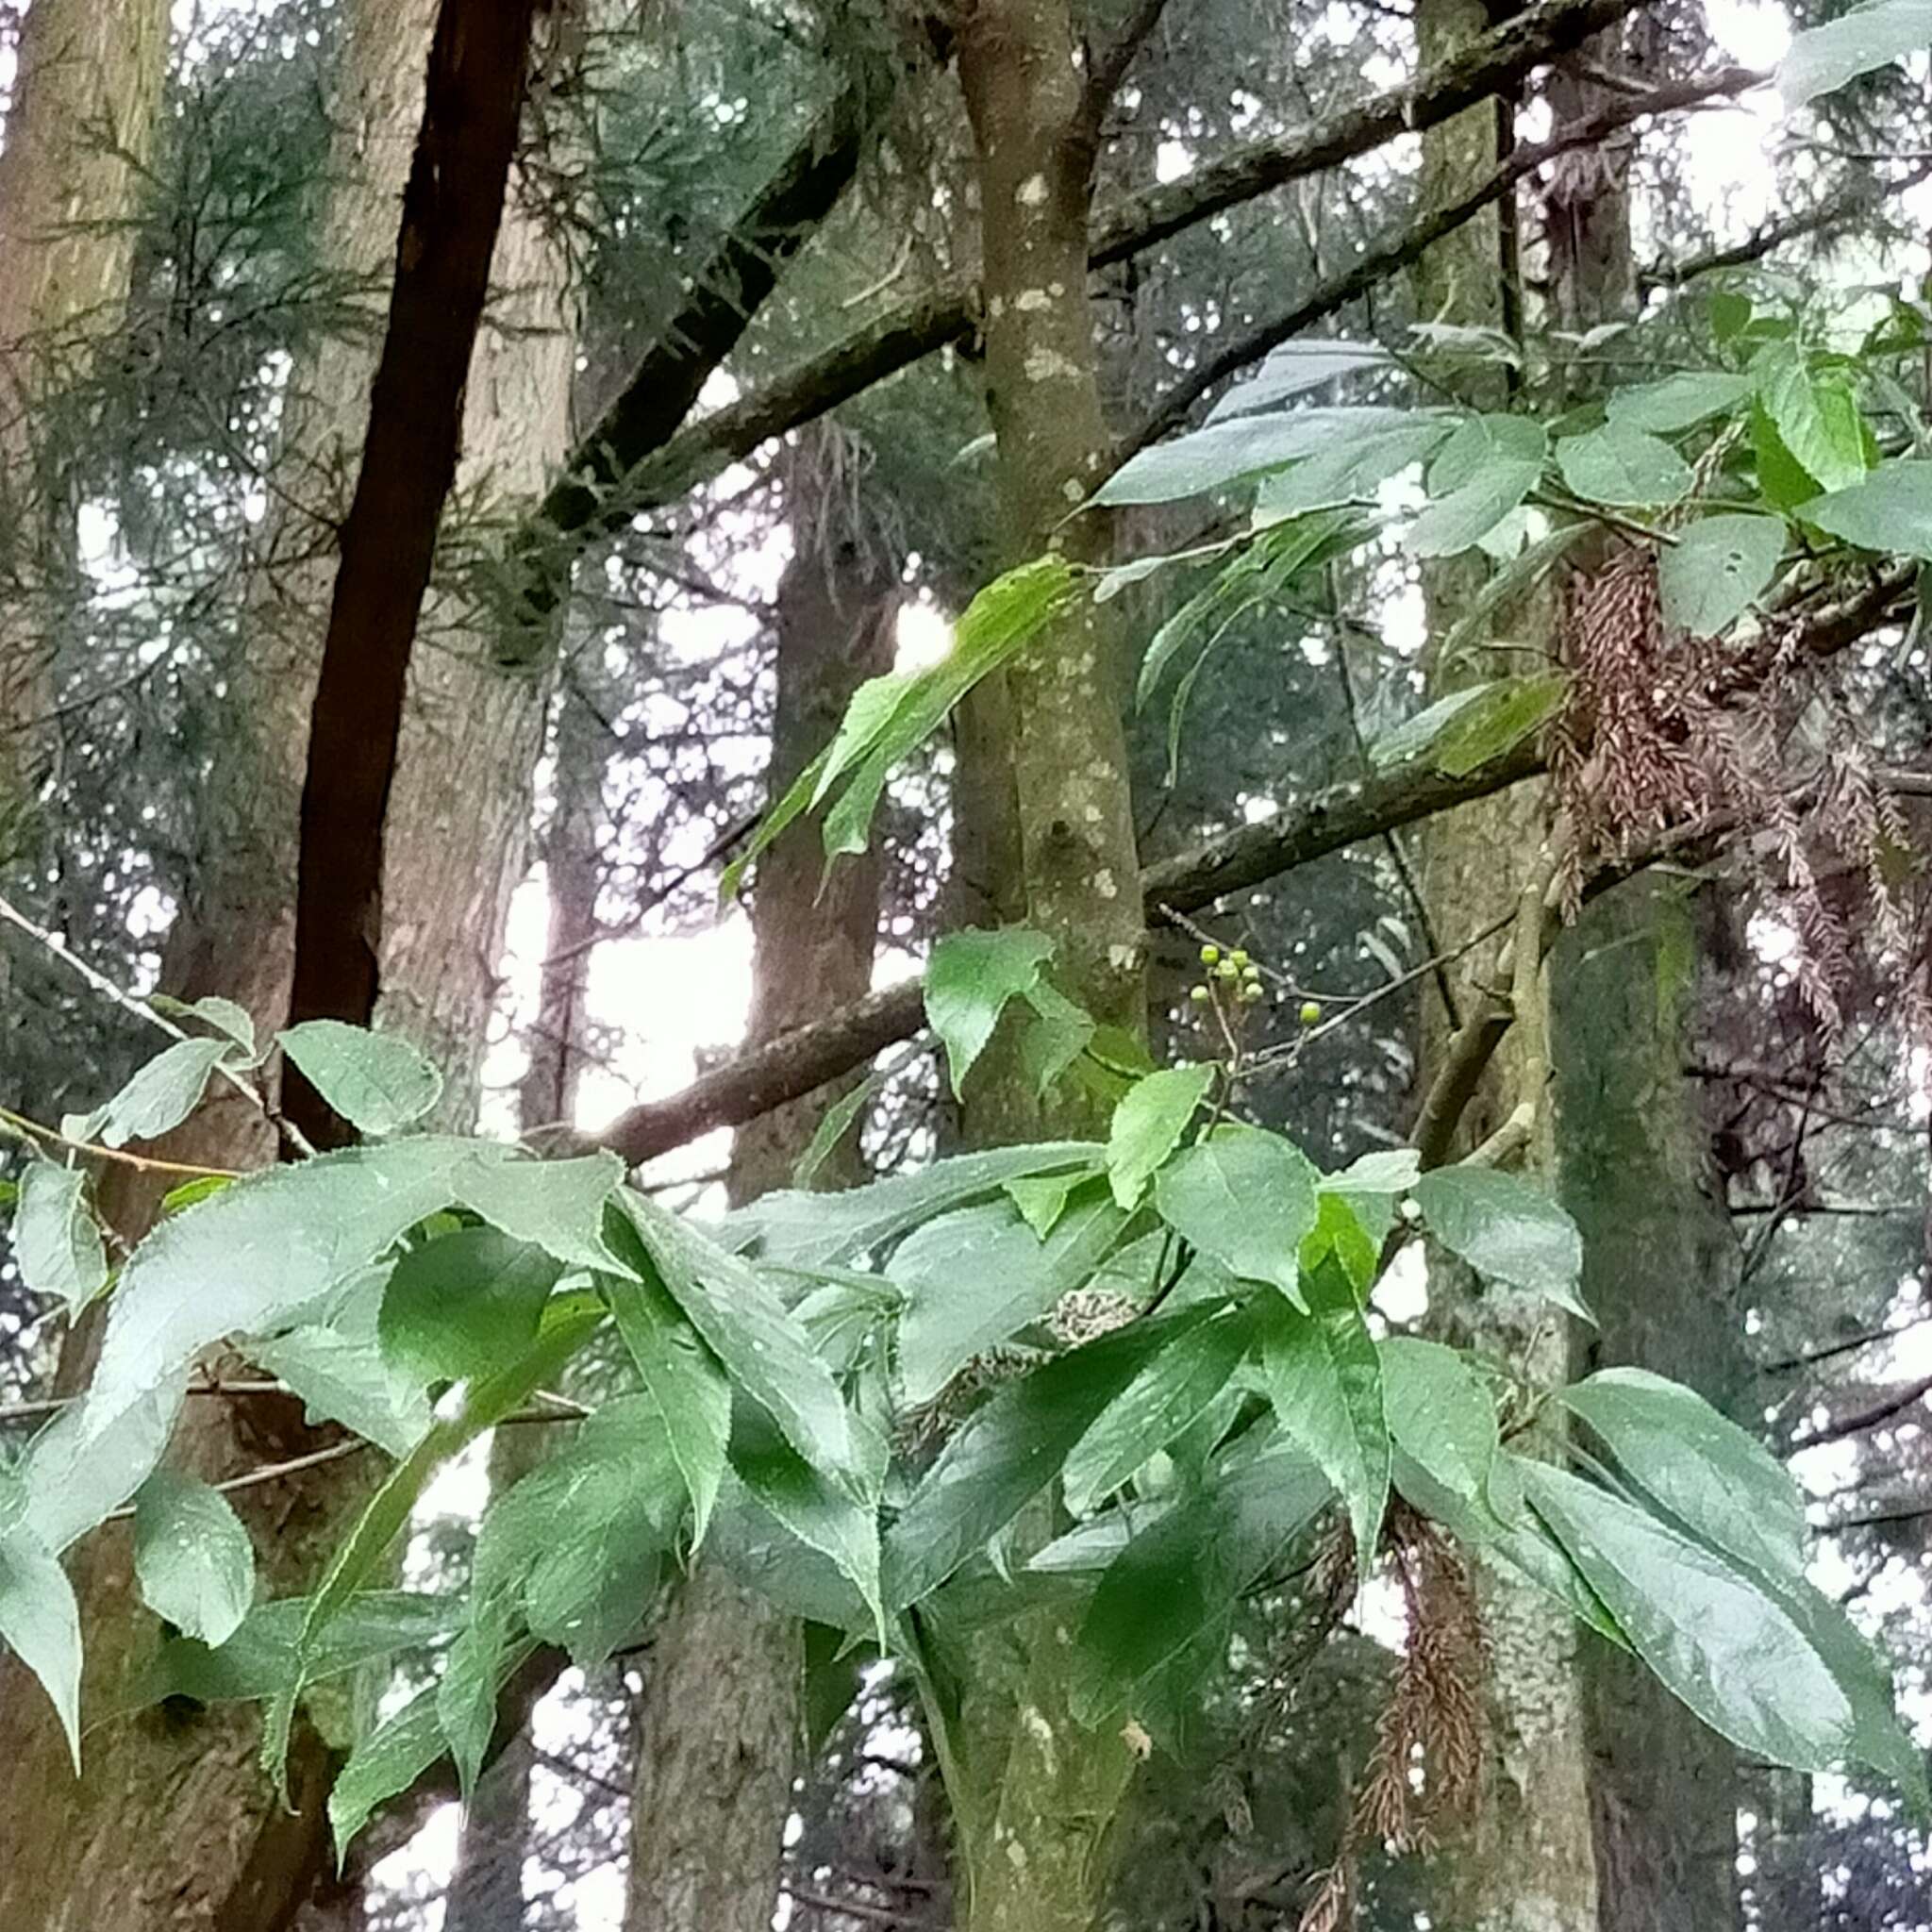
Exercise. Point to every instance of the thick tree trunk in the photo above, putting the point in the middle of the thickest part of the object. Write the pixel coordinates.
(1526, 1863)
(1045, 832)
(722, 1721)
(174, 1829)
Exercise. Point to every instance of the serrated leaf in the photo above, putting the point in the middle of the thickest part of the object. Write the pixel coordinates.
(193, 1558)
(1245, 1197)
(684, 1378)
(968, 982)
(1054, 1034)
(835, 1122)
(1007, 1452)
(1889, 512)
(1814, 412)
(1440, 1416)
(1221, 454)
(56, 1241)
(1721, 1483)
(40, 1621)
(377, 1082)
(1782, 480)
(1041, 1199)
(224, 1016)
(1681, 401)
(1717, 569)
(1180, 1575)
(1504, 714)
(344, 1379)
(160, 1097)
(1507, 1230)
(557, 1204)
(823, 1230)
(823, 1517)
(1350, 470)
(1623, 465)
(75, 1474)
(1484, 471)
(1167, 1397)
(1148, 1123)
(970, 1279)
(1823, 58)
(1708, 1631)
(1325, 1379)
(744, 1322)
(1292, 367)
(1372, 1185)
(462, 1302)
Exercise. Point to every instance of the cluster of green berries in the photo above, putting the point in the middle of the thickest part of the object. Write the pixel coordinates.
(1241, 976)
(1241, 980)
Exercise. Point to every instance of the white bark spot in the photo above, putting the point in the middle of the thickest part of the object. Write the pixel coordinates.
(1071, 491)
(1093, 814)
(1032, 191)
(1016, 1854)
(1031, 301)
(1049, 365)
(1056, 288)
(1123, 959)
(995, 307)
(1106, 884)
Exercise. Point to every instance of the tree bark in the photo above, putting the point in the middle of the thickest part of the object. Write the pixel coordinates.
(174, 1828)
(1046, 834)
(1525, 1861)
(723, 1722)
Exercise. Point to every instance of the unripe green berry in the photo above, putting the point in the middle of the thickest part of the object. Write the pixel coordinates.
(1252, 974)
(1227, 970)
(1251, 993)
(1210, 955)
(1239, 957)
(1199, 995)
(1311, 1011)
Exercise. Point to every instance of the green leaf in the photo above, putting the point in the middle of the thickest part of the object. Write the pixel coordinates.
(892, 717)
(1485, 470)
(1350, 470)
(1823, 58)
(1324, 1378)
(557, 1204)
(375, 1081)
(684, 1378)
(834, 1124)
(968, 982)
(1711, 1634)
(1504, 714)
(1623, 465)
(160, 1097)
(56, 1241)
(232, 1020)
(189, 1192)
(1719, 1482)
(1055, 1034)
(1681, 401)
(1782, 480)
(739, 1314)
(1372, 1185)
(191, 1556)
(1180, 1576)
(459, 1305)
(40, 1623)
(1815, 414)
(971, 1279)
(398, 1752)
(1440, 1416)
(1156, 1405)
(1292, 367)
(1476, 620)
(1339, 1232)
(1716, 569)
(343, 1379)
(1010, 1450)
(1245, 1197)
(1148, 1126)
(1507, 1230)
(1220, 453)
(822, 1230)
(1729, 313)
(1890, 511)
(76, 1474)
(822, 1517)
(1416, 736)
(1041, 1199)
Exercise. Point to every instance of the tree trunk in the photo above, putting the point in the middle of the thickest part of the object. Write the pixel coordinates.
(1044, 818)
(723, 1721)
(174, 1828)
(486, 1889)
(1526, 1864)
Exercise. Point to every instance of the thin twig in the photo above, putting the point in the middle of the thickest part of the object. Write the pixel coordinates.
(145, 1162)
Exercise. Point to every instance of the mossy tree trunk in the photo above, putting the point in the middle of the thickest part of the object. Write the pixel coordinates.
(174, 1827)
(723, 1726)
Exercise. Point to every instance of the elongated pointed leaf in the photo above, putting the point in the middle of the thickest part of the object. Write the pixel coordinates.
(1324, 1378)
(1245, 1197)
(1148, 1124)
(56, 1241)
(1680, 402)
(971, 977)
(1292, 367)
(343, 1379)
(1484, 471)
(376, 1082)
(191, 1556)
(459, 1305)
(1708, 1631)
(555, 1205)
(1505, 1230)
(1888, 512)
(1440, 1415)
(40, 1621)
(1168, 1396)
(160, 1097)
(1226, 453)
(1717, 569)
(1623, 465)
(1823, 58)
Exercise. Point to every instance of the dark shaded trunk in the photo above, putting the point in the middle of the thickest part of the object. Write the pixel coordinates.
(723, 1722)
